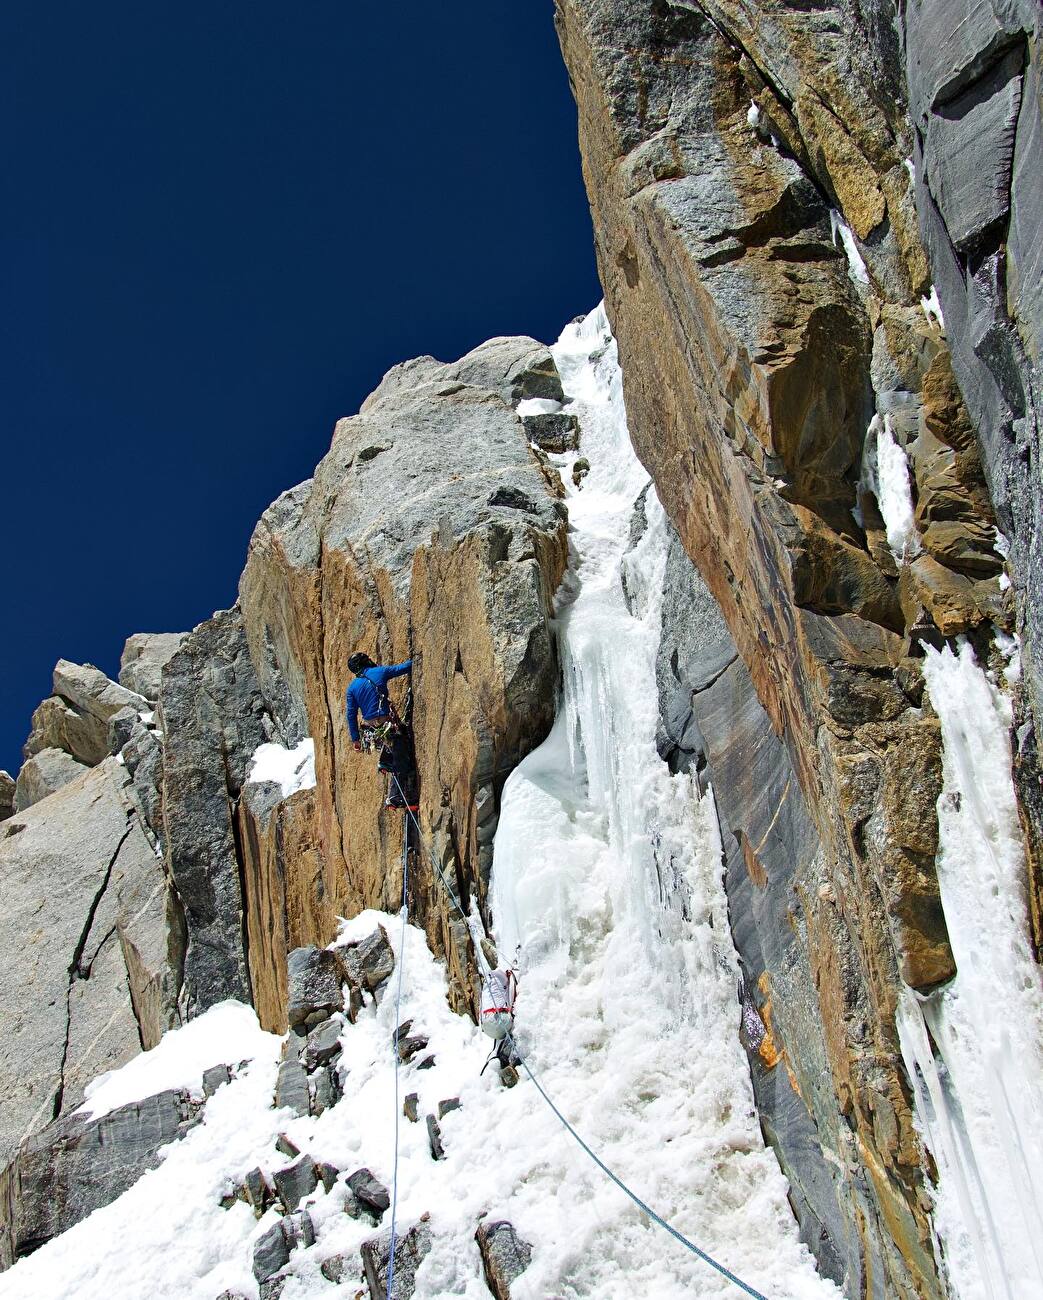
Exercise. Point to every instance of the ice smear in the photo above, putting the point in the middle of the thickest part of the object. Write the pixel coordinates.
(607, 889)
(974, 1049)
(855, 265)
(225, 1035)
(292, 769)
(886, 474)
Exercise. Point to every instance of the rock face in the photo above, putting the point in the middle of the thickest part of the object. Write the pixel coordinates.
(43, 773)
(93, 947)
(428, 531)
(144, 657)
(758, 238)
(75, 718)
(7, 795)
(77, 1165)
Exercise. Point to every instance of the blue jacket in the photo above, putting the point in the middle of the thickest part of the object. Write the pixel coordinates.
(368, 693)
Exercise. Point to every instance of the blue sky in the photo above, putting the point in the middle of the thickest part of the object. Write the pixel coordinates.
(222, 223)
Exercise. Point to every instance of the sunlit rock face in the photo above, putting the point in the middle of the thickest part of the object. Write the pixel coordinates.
(793, 391)
(429, 531)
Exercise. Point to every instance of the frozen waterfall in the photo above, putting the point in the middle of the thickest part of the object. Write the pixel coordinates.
(607, 889)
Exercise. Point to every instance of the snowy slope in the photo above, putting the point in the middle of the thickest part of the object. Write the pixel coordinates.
(607, 887)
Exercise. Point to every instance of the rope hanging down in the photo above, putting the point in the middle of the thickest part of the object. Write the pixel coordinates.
(642, 1205)
(398, 1021)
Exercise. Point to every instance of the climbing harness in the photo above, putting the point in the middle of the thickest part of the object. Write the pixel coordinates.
(507, 1040)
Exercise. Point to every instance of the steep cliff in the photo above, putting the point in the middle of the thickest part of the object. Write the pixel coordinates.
(758, 237)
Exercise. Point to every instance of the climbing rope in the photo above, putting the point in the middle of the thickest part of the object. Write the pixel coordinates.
(642, 1205)
(398, 1021)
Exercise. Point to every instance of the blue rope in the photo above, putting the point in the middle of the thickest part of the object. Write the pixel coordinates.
(707, 1259)
(656, 1218)
(398, 1021)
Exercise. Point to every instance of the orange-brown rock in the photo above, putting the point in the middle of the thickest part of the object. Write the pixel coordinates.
(428, 531)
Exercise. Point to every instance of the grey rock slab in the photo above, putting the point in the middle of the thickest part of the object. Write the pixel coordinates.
(410, 1251)
(7, 784)
(969, 154)
(287, 1147)
(291, 1088)
(316, 977)
(76, 1165)
(296, 1181)
(83, 891)
(214, 718)
(323, 1043)
(371, 961)
(325, 1089)
(434, 1138)
(215, 1077)
(505, 1256)
(256, 1191)
(144, 657)
(557, 432)
(369, 1191)
(273, 1248)
(42, 774)
(327, 1174)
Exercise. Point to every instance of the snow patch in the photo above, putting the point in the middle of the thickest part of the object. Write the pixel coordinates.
(291, 769)
(538, 406)
(974, 1049)
(225, 1035)
(932, 308)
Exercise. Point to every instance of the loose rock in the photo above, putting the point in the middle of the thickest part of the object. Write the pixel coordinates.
(410, 1251)
(291, 1088)
(272, 1250)
(296, 1181)
(505, 1256)
(316, 978)
(370, 1193)
(323, 1043)
(215, 1077)
(434, 1138)
(370, 962)
(42, 774)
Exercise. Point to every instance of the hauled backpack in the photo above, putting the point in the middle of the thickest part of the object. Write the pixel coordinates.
(499, 990)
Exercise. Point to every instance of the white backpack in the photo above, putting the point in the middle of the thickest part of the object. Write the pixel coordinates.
(499, 990)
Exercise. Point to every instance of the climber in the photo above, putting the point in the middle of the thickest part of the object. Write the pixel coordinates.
(381, 727)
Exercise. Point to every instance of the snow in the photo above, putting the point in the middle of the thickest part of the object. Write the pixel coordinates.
(607, 889)
(226, 1034)
(292, 769)
(607, 885)
(885, 473)
(753, 116)
(932, 308)
(974, 1049)
(856, 267)
(538, 406)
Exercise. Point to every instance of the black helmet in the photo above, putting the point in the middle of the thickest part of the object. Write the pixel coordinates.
(359, 662)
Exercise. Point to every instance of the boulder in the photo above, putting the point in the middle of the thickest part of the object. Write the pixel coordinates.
(89, 927)
(63, 1173)
(7, 789)
(256, 1191)
(273, 1248)
(434, 1138)
(144, 657)
(505, 1255)
(316, 979)
(42, 774)
(291, 1088)
(75, 718)
(557, 432)
(371, 961)
(371, 1194)
(325, 1089)
(323, 1043)
(410, 1251)
(296, 1181)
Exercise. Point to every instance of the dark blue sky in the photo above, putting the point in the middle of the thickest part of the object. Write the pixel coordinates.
(221, 224)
